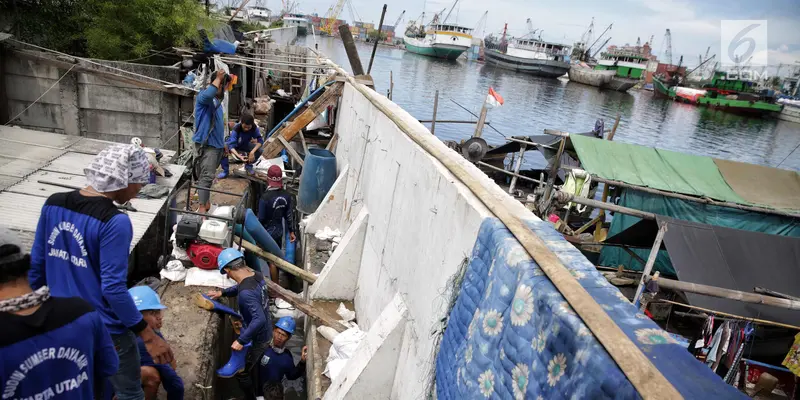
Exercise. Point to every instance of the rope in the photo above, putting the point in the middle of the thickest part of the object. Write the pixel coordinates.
(93, 62)
(42, 95)
(149, 55)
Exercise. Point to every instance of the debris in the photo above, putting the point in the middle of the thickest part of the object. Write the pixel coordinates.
(174, 271)
(327, 233)
(344, 346)
(346, 314)
(202, 277)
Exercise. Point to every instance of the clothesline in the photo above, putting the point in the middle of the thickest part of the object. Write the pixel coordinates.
(739, 317)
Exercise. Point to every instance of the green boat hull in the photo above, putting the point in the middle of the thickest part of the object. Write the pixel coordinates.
(662, 90)
(741, 106)
(449, 54)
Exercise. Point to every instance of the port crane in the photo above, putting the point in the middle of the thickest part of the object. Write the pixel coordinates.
(332, 17)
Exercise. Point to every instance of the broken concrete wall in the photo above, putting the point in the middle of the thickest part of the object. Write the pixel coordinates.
(91, 105)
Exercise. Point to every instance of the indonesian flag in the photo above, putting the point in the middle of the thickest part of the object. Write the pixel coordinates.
(493, 99)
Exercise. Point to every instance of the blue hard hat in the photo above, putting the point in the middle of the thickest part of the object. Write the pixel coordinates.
(145, 298)
(287, 324)
(226, 256)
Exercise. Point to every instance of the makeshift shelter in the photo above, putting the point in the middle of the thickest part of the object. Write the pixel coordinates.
(727, 258)
(728, 183)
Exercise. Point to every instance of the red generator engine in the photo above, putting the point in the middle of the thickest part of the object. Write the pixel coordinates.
(203, 255)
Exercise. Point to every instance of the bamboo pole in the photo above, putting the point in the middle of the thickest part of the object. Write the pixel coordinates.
(279, 262)
(523, 177)
(481, 121)
(703, 200)
(516, 168)
(730, 294)
(377, 40)
(564, 197)
(649, 265)
(435, 108)
(292, 152)
(643, 375)
(587, 225)
(449, 121)
(755, 320)
(391, 85)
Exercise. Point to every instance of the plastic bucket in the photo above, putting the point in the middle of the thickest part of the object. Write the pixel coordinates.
(319, 173)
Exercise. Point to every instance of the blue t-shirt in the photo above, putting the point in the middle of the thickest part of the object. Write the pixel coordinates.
(206, 108)
(240, 138)
(273, 366)
(81, 250)
(60, 351)
(254, 307)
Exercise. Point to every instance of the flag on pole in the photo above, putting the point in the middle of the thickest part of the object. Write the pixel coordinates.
(493, 99)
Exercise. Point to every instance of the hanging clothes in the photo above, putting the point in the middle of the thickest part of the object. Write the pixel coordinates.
(792, 360)
(714, 347)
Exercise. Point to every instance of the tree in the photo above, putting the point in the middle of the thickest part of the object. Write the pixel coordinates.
(122, 30)
(372, 34)
(107, 29)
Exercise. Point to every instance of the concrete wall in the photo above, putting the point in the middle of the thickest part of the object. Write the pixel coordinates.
(422, 224)
(85, 104)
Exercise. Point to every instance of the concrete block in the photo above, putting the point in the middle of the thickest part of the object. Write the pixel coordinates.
(329, 212)
(22, 66)
(29, 88)
(112, 98)
(370, 373)
(339, 277)
(70, 112)
(39, 115)
(121, 123)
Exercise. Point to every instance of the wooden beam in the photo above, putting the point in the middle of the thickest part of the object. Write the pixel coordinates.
(279, 262)
(292, 152)
(651, 260)
(351, 49)
(755, 320)
(634, 255)
(273, 146)
(551, 180)
(332, 142)
(774, 293)
(435, 108)
(303, 140)
(723, 293)
(614, 129)
(319, 316)
(588, 225)
(640, 371)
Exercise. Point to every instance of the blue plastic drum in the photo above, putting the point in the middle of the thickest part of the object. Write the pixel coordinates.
(319, 173)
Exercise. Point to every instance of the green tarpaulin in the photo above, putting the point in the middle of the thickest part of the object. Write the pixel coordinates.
(655, 168)
(689, 211)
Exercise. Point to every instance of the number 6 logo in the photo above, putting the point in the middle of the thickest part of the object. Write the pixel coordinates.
(741, 39)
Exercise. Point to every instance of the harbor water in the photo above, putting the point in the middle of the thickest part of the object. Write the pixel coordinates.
(533, 104)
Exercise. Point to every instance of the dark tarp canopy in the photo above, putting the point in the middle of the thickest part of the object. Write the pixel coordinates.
(727, 258)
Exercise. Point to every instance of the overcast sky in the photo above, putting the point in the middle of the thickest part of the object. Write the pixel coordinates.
(695, 25)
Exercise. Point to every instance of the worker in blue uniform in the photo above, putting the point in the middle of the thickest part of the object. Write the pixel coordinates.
(50, 347)
(245, 139)
(154, 375)
(276, 212)
(253, 299)
(81, 250)
(277, 363)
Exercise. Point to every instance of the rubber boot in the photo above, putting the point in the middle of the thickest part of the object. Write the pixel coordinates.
(206, 303)
(224, 164)
(249, 169)
(236, 364)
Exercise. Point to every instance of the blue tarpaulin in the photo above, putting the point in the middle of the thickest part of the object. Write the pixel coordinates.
(688, 211)
(512, 335)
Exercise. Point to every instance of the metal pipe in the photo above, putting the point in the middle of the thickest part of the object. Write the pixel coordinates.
(564, 197)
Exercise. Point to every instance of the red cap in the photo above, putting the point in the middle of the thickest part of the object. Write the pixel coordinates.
(275, 176)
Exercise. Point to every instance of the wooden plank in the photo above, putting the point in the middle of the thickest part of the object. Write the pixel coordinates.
(292, 152)
(644, 376)
(320, 316)
(273, 146)
(651, 260)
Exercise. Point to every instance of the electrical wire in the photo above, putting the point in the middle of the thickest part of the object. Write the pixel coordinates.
(787, 156)
(148, 56)
(42, 95)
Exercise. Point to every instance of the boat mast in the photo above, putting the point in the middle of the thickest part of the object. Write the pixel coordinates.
(449, 12)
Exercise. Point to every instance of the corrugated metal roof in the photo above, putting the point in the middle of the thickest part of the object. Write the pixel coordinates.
(43, 158)
(37, 138)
